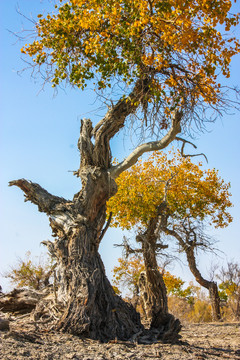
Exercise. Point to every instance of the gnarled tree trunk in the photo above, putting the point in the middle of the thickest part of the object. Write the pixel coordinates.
(91, 307)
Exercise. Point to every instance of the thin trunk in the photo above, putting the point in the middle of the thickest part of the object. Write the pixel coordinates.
(211, 286)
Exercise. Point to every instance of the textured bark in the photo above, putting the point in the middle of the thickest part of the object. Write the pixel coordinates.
(153, 291)
(91, 307)
(20, 301)
(211, 286)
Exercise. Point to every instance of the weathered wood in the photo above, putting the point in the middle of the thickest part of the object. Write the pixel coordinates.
(20, 301)
(4, 324)
(82, 288)
(152, 288)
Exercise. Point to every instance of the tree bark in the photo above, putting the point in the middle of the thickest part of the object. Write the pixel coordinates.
(153, 291)
(91, 306)
(92, 309)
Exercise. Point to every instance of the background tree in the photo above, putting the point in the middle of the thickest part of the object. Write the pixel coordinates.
(126, 274)
(190, 237)
(170, 195)
(126, 277)
(230, 287)
(165, 57)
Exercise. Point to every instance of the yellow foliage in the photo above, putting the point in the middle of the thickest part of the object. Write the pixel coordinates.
(191, 191)
(178, 42)
(128, 271)
(199, 311)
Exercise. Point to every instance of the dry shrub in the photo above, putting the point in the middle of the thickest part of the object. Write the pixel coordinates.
(180, 308)
(195, 312)
(201, 312)
(227, 312)
(32, 274)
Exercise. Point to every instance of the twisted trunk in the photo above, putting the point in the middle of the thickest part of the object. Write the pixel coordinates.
(91, 307)
(211, 286)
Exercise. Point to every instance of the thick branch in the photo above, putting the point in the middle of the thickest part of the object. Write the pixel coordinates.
(85, 145)
(114, 121)
(37, 195)
(115, 171)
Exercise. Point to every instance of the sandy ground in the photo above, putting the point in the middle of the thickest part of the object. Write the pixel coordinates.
(199, 341)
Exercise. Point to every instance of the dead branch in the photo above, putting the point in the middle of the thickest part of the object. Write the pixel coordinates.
(184, 142)
(37, 195)
(150, 146)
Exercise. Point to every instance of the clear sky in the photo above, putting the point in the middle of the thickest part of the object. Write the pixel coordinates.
(38, 140)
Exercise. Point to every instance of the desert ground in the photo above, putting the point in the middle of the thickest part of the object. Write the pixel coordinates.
(199, 341)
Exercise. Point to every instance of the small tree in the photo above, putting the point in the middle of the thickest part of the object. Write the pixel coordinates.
(170, 195)
(126, 274)
(30, 274)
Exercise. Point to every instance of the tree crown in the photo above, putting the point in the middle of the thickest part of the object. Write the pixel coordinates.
(190, 191)
(175, 43)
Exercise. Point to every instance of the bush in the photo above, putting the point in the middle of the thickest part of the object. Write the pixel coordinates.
(33, 275)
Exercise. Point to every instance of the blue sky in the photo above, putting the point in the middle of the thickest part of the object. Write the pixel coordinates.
(38, 140)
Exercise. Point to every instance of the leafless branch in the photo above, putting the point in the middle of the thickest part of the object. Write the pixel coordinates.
(184, 142)
(106, 227)
(115, 171)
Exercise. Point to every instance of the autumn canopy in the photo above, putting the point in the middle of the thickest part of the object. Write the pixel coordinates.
(190, 191)
(176, 43)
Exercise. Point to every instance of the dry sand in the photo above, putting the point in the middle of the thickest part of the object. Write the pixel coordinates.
(199, 341)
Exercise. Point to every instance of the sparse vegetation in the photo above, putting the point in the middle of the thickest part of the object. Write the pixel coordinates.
(31, 274)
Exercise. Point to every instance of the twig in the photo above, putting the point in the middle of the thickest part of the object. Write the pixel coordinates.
(184, 141)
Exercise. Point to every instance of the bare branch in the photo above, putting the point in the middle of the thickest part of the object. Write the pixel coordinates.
(37, 195)
(106, 227)
(184, 142)
(115, 171)
(114, 120)
(189, 251)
